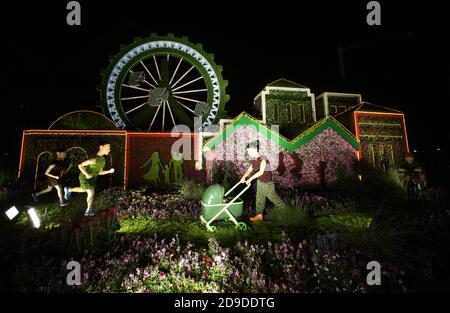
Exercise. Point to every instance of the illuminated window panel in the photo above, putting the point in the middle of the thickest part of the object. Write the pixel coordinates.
(371, 154)
(302, 113)
(276, 113)
(290, 110)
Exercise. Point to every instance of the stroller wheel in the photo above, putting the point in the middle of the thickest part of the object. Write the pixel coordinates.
(241, 226)
(212, 228)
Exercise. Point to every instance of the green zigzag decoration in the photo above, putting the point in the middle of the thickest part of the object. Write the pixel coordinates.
(290, 145)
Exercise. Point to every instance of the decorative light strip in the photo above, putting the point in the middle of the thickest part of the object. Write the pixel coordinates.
(381, 124)
(81, 111)
(19, 172)
(37, 166)
(75, 132)
(291, 145)
(373, 155)
(406, 134)
(374, 113)
(381, 136)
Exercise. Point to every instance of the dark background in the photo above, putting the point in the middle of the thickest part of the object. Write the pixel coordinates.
(50, 68)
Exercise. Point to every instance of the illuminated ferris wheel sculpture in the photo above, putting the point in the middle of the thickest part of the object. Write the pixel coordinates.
(159, 82)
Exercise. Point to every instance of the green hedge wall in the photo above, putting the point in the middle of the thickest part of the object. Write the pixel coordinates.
(281, 99)
(80, 147)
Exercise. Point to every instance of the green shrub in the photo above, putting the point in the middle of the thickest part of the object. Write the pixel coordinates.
(346, 181)
(374, 182)
(394, 178)
(139, 226)
(288, 216)
(348, 221)
(226, 174)
(381, 235)
(192, 190)
(384, 236)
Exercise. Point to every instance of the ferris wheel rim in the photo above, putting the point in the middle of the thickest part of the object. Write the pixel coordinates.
(150, 47)
(176, 89)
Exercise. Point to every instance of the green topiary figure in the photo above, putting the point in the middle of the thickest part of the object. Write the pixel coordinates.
(153, 172)
(177, 162)
(166, 171)
(89, 171)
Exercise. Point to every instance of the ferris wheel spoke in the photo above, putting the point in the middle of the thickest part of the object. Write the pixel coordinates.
(148, 71)
(182, 76)
(153, 86)
(136, 108)
(137, 88)
(176, 69)
(189, 91)
(141, 118)
(132, 98)
(157, 68)
(154, 117)
(186, 107)
(188, 83)
(178, 112)
(170, 111)
(164, 114)
(187, 99)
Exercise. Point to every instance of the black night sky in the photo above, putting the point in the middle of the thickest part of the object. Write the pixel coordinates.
(50, 68)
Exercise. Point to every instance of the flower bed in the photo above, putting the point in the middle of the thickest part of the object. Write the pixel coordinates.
(148, 265)
(154, 205)
(177, 254)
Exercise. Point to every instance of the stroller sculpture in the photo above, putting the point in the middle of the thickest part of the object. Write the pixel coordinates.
(215, 208)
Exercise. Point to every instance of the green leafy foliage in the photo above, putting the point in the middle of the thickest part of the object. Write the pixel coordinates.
(349, 222)
(292, 215)
(192, 190)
